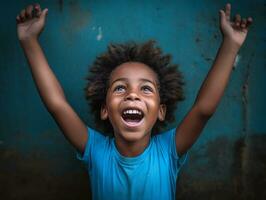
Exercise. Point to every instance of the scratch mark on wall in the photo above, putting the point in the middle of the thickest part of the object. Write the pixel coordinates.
(245, 95)
(61, 5)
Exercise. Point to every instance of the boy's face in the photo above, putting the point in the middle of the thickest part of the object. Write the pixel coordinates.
(133, 101)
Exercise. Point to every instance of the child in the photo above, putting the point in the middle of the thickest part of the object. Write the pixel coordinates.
(133, 90)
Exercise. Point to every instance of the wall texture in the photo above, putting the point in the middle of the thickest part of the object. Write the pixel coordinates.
(229, 159)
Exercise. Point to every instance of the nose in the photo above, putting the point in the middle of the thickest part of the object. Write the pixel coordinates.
(132, 96)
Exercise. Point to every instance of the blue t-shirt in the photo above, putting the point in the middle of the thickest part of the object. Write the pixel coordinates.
(150, 175)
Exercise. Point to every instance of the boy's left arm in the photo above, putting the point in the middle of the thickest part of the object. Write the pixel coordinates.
(212, 89)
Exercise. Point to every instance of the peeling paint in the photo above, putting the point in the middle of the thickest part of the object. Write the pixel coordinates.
(213, 174)
(36, 163)
(250, 167)
(79, 16)
(77, 19)
(100, 34)
(236, 61)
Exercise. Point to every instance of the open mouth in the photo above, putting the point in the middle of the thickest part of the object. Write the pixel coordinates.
(132, 116)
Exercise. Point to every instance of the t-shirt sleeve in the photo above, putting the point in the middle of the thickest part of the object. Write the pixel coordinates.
(168, 147)
(178, 160)
(94, 140)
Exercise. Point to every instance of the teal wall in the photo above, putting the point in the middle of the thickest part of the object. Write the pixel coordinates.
(228, 160)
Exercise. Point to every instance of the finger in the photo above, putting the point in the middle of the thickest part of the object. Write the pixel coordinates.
(37, 10)
(18, 19)
(249, 21)
(36, 5)
(243, 23)
(22, 15)
(237, 20)
(228, 11)
(28, 12)
(44, 13)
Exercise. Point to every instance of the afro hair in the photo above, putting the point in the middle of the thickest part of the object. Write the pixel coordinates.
(170, 79)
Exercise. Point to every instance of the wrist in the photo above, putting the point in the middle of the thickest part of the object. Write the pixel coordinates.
(25, 42)
(231, 44)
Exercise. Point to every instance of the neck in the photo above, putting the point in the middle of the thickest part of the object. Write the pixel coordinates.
(132, 148)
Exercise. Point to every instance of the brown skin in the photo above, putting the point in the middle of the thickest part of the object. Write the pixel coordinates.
(131, 142)
(50, 90)
(211, 91)
(133, 85)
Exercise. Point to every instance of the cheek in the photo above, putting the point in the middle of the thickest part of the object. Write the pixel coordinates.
(153, 107)
(113, 104)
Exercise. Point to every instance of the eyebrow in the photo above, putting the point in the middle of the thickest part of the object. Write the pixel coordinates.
(142, 79)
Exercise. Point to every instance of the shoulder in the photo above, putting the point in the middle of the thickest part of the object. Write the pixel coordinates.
(167, 143)
(96, 135)
(97, 138)
(165, 139)
(165, 136)
(97, 144)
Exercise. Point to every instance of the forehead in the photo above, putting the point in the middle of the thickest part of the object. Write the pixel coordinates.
(133, 70)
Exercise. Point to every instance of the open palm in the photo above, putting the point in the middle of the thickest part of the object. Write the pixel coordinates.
(30, 25)
(236, 30)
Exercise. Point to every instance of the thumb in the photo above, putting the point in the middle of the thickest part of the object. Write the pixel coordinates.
(222, 17)
(44, 13)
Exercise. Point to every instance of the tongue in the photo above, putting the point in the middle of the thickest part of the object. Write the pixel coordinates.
(132, 120)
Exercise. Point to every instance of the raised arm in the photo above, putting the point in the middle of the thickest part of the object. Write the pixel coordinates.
(30, 23)
(212, 89)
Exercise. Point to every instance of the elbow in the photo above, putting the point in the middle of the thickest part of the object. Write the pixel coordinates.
(55, 106)
(205, 111)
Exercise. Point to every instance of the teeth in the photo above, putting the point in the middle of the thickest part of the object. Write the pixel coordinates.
(132, 112)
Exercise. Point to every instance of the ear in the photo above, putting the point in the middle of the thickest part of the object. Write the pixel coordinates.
(104, 113)
(162, 112)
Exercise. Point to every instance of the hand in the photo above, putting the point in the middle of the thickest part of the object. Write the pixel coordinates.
(30, 22)
(236, 31)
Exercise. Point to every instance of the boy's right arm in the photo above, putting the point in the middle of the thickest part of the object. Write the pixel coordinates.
(30, 23)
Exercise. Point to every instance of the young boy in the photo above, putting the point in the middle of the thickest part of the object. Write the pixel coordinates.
(133, 89)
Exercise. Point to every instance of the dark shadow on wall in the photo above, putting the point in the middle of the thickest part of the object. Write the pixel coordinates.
(226, 170)
(50, 172)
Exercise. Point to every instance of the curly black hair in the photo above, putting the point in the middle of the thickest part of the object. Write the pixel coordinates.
(170, 79)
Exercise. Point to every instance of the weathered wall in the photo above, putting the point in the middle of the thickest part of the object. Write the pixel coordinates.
(229, 159)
